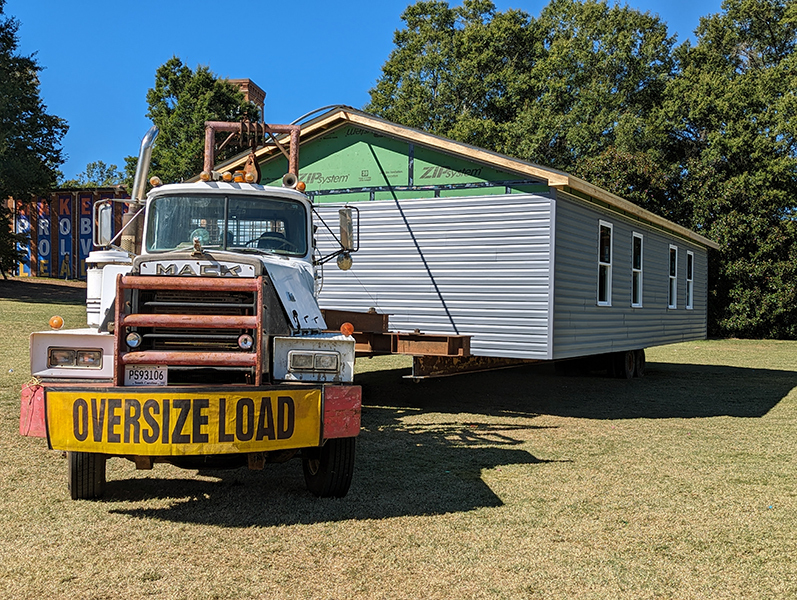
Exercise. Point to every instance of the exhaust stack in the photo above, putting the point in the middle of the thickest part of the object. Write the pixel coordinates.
(142, 168)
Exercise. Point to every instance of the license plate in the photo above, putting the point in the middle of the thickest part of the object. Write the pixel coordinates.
(146, 375)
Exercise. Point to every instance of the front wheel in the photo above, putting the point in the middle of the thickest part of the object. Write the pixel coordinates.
(86, 475)
(328, 470)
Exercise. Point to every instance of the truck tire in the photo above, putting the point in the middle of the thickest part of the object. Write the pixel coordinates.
(624, 364)
(328, 470)
(86, 475)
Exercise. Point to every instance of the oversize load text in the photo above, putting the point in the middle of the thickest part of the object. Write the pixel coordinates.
(180, 425)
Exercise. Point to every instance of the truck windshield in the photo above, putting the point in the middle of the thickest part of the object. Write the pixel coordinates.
(227, 222)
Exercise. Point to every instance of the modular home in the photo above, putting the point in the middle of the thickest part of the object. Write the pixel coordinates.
(530, 262)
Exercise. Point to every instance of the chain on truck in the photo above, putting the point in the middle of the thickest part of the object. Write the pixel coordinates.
(206, 347)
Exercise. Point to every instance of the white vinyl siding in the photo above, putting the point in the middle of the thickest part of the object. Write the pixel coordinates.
(478, 266)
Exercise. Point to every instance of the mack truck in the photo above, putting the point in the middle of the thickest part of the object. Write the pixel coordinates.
(205, 346)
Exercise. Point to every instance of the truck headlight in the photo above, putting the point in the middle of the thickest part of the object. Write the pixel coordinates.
(89, 359)
(70, 357)
(62, 357)
(326, 361)
(313, 361)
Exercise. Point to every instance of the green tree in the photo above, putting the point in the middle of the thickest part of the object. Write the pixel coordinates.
(30, 139)
(733, 117)
(96, 174)
(179, 104)
(456, 72)
(580, 79)
(599, 79)
(10, 255)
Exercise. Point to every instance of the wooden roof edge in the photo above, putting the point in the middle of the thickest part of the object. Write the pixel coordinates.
(553, 178)
(459, 149)
(629, 207)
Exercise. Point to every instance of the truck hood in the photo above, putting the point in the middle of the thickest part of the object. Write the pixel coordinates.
(293, 279)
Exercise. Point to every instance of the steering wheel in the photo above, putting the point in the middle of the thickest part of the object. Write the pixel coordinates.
(202, 234)
(277, 242)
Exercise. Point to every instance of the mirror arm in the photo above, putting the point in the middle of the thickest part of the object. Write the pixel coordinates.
(135, 216)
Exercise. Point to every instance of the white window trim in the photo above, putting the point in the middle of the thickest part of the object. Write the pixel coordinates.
(634, 236)
(690, 281)
(672, 282)
(608, 301)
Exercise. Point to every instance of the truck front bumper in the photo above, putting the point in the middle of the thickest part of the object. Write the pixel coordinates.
(180, 421)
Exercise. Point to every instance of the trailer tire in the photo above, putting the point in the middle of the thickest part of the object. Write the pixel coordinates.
(624, 364)
(328, 470)
(86, 475)
(640, 363)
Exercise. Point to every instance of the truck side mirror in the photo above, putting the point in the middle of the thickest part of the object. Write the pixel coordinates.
(347, 229)
(103, 224)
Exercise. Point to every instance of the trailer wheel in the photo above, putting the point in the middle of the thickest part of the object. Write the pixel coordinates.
(640, 363)
(328, 470)
(624, 364)
(86, 475)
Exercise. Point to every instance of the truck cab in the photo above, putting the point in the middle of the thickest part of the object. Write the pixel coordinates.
(206, 346)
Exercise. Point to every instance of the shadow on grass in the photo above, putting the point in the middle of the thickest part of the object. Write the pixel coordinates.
(38, 291)
(667, 391)
(401, 471)
(426, 464)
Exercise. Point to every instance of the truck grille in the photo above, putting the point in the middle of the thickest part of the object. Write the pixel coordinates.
(186, 302)
(190, 323)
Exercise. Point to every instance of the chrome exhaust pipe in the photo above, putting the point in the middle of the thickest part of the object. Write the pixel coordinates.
(142, 168)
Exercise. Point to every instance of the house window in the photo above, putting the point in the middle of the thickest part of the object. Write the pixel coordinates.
(672, 296)
(690, 280)
(636, 270)
(605, 264)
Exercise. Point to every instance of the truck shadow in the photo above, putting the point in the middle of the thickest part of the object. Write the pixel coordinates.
(411, 462)
(401, 471)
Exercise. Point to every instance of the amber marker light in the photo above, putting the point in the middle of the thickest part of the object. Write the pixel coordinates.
(155, 181)
(56, 322)
(238, 177)
(227, 176)
(204, 176)
(347, 329)
(249, 177)
(301, 186)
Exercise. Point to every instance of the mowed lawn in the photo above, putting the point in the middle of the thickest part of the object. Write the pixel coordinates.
(513, 484)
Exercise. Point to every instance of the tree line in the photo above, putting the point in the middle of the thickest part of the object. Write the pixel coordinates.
(700, 133)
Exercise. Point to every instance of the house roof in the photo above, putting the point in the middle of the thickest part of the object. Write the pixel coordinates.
(342, 116)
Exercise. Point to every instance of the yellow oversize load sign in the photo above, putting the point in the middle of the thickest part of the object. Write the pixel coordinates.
(163, 424)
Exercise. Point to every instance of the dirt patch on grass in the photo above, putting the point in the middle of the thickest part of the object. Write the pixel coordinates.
(43, 289)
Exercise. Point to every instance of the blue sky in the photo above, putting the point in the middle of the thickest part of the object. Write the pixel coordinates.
(100, 57)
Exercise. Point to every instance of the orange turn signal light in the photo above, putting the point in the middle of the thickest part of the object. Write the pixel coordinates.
(249, 177)
(155, 181)
(204, 176)
(56, 322)
(227, 176)
(301, 186)
(347, 329)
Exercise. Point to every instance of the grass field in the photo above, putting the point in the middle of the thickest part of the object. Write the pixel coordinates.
(512, 484)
